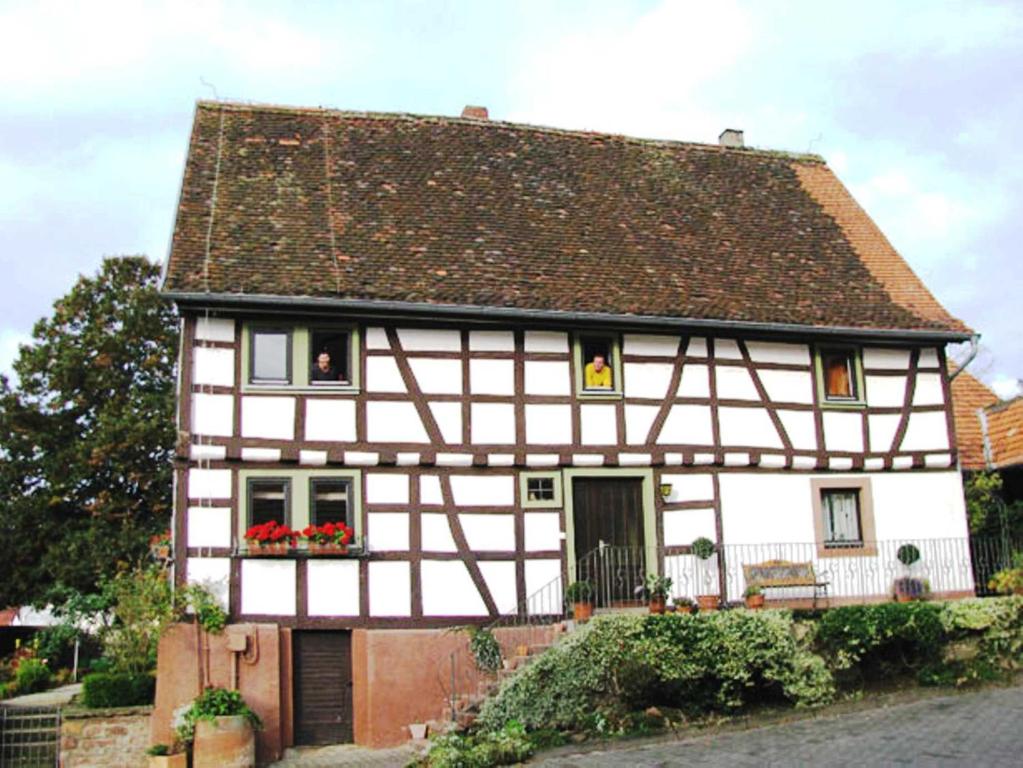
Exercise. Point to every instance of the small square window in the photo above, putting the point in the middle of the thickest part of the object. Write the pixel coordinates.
(270, 356)
(841, 510)
(330, 363)
(330, 501)
(269, 499)
(540, 489)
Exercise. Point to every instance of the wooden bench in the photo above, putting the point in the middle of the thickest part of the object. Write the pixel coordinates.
(783, 573)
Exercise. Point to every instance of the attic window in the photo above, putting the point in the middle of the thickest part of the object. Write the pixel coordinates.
(330, 362)
(839, 375)
(597, 357)
(270, 356)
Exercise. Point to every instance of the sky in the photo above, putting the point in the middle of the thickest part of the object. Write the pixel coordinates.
(915, 105)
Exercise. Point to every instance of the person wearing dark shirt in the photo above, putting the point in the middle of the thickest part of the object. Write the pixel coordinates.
(323, 371)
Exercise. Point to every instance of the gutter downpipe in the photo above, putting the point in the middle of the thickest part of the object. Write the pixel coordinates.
(974, 351)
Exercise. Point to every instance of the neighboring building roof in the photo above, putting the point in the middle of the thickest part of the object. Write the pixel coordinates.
(1003, 429)
(461, 212)
(8, 616)
(1005, 433)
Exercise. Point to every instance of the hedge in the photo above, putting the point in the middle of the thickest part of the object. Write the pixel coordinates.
(110, 689)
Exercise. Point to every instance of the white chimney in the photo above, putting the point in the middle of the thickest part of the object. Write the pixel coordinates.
(731, 137)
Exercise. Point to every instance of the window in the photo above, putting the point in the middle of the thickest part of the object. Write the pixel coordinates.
(598, 368)
(839, 376)
(269, 499)
(329, 363)
(540, 489)
(270, 356)
(329, 500)
(843, 516)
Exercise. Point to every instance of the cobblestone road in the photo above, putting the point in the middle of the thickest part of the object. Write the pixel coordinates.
(979, 729)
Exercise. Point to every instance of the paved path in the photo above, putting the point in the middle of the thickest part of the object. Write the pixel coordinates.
(978, 729)
(345, 755)
(51, 698)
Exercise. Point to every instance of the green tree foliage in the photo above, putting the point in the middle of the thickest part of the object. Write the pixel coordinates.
(87, 433)
(987, 510)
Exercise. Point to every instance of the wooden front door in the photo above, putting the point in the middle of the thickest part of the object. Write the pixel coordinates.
(322, 687)
(609, 541)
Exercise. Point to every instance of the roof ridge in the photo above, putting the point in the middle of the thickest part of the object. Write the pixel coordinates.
(240, 106)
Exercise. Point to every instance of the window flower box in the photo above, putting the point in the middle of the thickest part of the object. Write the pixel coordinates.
(328, 539)
(270, 539)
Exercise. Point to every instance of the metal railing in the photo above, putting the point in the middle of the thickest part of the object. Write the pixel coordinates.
(29, 737)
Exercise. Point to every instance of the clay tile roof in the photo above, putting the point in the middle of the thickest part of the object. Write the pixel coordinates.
(7, 617)
(472, 212)
(969, 395)
(1005, 431)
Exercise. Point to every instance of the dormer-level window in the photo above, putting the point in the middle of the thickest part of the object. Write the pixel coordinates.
(598, 369)
(839, 375)
(301, 355)
(330, 362)
(270, 356)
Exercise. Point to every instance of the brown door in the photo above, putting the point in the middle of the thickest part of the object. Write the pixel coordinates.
(609, 552)
(323, 687)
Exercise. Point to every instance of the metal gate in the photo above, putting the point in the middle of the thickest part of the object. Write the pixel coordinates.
(29, 737)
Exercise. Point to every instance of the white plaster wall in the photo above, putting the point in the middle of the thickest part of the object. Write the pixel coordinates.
(638, 420)
(489, 532)
(449, 420)
(493, 423)
(687, 425)
(695, 381)
(268, 587)
(882, 428)
(800, 427)
(647, 379)
(332, 588)
(376, 338)
(213, 366)
(198, 452)
(748, 426)
(697, 347)
(546, 341)
(778, 352)
(928, 358)
(689, 487)
(390, 588)
(387, 488)
(500, 578)
(683, 526)
(382, 375)
(879, 357)
(548, 377)
(209, 483)
(761, 508)
(429, 490)
(919, 505)
(483, 490)
(548, 424)
(388, 422)
(647, 344)
(212, 572)
(727, 349)
(269, 417)
(598, 424)
(437, 533)
(734, 383)
(491, 341)
(787, 386)
(437, 377)
(448, 590)
(388, 531)
(928, 390)
(430, 340)
(843, 431)
(492, 377)
(926, 432)
(214, 329)
(213, 415)
(886, 391)
(331, 420)
(539, 575)
(209, 526)
(543, 531)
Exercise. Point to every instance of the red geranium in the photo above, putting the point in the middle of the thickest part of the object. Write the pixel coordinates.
(329, 533)
(271, 532)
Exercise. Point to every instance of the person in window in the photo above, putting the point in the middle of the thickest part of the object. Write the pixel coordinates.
(323, 371)
(597, 374)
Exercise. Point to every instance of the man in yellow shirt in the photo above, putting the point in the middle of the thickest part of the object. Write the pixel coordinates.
(597, 375)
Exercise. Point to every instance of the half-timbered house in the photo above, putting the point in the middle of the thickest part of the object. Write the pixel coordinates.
(543, 347)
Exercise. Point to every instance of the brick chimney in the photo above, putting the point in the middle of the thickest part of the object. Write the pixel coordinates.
(476, 113)
(731, 137)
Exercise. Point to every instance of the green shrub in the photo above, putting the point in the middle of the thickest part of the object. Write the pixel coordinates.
(31, 676)
(111, 689)
(211, 703)
(984, 641)
(485, 649)
(506, 746)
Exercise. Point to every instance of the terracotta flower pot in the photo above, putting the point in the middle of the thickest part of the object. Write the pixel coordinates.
(224, 742)
(707, 602)
(269, 548)
(657, 604)
(755, 601)
(178, 760)
(684, 608)
(582, 612)
(329, 548)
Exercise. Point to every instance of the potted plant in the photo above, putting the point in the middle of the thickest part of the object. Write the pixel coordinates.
(221, 727)
(684, 604)
(1009, 580)
(270, 538)
(754, 595)
(167, 756)
(908, 588)
(579, 593)
(703, 548)
(656, 589)
(330, 538)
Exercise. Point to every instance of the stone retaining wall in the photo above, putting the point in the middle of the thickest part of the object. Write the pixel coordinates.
(104, 738)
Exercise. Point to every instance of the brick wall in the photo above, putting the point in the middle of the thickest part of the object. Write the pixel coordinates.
(111, 738)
